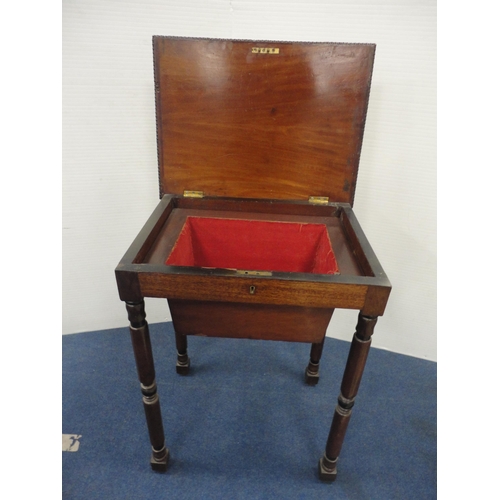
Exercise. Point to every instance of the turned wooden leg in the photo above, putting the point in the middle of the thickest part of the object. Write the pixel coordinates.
(312, 370)
(350, 384)
(183, 362)
(141, 344)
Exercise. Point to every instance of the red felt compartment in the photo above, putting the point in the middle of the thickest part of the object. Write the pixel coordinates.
(254, 245)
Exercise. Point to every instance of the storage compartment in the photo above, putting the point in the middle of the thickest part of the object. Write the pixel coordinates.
(208, 242)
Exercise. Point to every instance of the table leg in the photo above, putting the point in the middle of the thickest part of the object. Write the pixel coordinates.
(183, 362)
(141, 343)
(312, 370)
(350, 384)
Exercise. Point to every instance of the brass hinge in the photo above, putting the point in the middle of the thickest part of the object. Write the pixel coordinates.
(318, 200)
(193, 194)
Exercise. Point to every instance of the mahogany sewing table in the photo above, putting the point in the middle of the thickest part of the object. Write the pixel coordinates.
(255, 236)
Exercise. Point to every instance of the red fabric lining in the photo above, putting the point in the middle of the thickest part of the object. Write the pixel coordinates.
(254, 245)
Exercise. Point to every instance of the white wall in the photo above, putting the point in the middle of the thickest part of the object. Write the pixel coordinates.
(110, 183)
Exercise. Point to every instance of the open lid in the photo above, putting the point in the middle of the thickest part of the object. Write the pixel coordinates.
(248, 119)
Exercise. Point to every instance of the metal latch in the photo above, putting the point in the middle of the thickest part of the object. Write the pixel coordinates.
(193, 194)
(254, 273)
(319, 200)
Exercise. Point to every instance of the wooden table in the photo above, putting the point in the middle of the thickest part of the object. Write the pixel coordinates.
(255, 236)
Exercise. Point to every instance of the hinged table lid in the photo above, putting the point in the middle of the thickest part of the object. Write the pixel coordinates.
(243, 119)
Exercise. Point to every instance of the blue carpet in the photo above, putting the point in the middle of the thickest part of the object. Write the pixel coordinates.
(243, 424)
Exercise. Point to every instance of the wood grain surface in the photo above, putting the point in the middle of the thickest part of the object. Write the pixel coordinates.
(240, 122)
(250, 321)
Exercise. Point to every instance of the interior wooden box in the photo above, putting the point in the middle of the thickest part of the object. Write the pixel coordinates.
(243, 313)
(241, 247)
